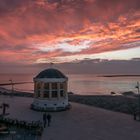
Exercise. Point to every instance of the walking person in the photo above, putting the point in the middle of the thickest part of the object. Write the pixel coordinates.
(135, 116)
(49, 117)
(44, 119)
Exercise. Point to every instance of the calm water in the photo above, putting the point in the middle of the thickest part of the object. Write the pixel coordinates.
(80, 84)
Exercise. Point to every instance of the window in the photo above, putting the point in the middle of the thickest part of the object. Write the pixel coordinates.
(54, 94)
(46, 94)
(61, 85)
(38, 93)
(46, 86)
(38, 85)
(61, 93)
(54, 85)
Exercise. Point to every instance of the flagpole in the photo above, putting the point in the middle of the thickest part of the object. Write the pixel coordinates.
(12, 87)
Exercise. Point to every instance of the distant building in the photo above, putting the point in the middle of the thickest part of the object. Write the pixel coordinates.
(50, 91)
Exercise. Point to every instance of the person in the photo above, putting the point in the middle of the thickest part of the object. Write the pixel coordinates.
(44, 119)
(49, 119)
(135, 116)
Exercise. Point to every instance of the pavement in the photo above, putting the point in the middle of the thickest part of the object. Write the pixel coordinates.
(82, 122)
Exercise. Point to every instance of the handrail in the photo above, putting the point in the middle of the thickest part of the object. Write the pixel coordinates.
(16, 83)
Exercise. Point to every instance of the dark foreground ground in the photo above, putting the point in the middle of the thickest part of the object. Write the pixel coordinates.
(81, 122)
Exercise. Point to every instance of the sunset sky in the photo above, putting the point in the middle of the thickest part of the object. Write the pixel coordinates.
(44, 31)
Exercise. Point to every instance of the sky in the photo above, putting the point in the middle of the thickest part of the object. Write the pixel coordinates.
(33, 32)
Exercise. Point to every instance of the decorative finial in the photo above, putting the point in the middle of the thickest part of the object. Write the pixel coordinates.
(51, 65)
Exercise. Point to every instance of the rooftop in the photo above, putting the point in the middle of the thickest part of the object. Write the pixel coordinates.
(51, 73)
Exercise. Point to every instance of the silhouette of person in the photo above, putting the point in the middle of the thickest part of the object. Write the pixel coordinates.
(135, 116)
(49, 117)
(44, 120)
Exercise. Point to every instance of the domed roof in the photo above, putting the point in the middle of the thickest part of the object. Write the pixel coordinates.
(51, 73)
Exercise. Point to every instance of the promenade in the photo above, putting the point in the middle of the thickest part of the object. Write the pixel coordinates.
(82, 122)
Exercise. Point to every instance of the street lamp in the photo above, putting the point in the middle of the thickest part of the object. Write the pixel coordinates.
(12, 90)
(138, 88)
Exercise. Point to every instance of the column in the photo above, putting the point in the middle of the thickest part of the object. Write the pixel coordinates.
(35, 90)
(58, 90)
(42, 90)
(65, 89)
(50, 90)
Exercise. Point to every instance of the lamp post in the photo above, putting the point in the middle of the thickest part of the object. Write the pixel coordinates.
(138, 88)
(12, 90)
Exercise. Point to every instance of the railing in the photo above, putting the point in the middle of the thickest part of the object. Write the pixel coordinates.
(34, 127)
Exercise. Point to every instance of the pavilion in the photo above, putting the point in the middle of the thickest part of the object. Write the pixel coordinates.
(50, 91)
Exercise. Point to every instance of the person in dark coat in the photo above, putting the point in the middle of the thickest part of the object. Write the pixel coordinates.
(49, 117)
(135, 116)
(44, 119)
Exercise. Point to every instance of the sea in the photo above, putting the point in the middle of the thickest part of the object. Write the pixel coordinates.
(82, 84)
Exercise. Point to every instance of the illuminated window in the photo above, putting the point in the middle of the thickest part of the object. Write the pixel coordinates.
(38, 85)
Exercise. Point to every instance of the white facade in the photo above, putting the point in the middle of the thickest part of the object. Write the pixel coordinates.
(50, 94)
